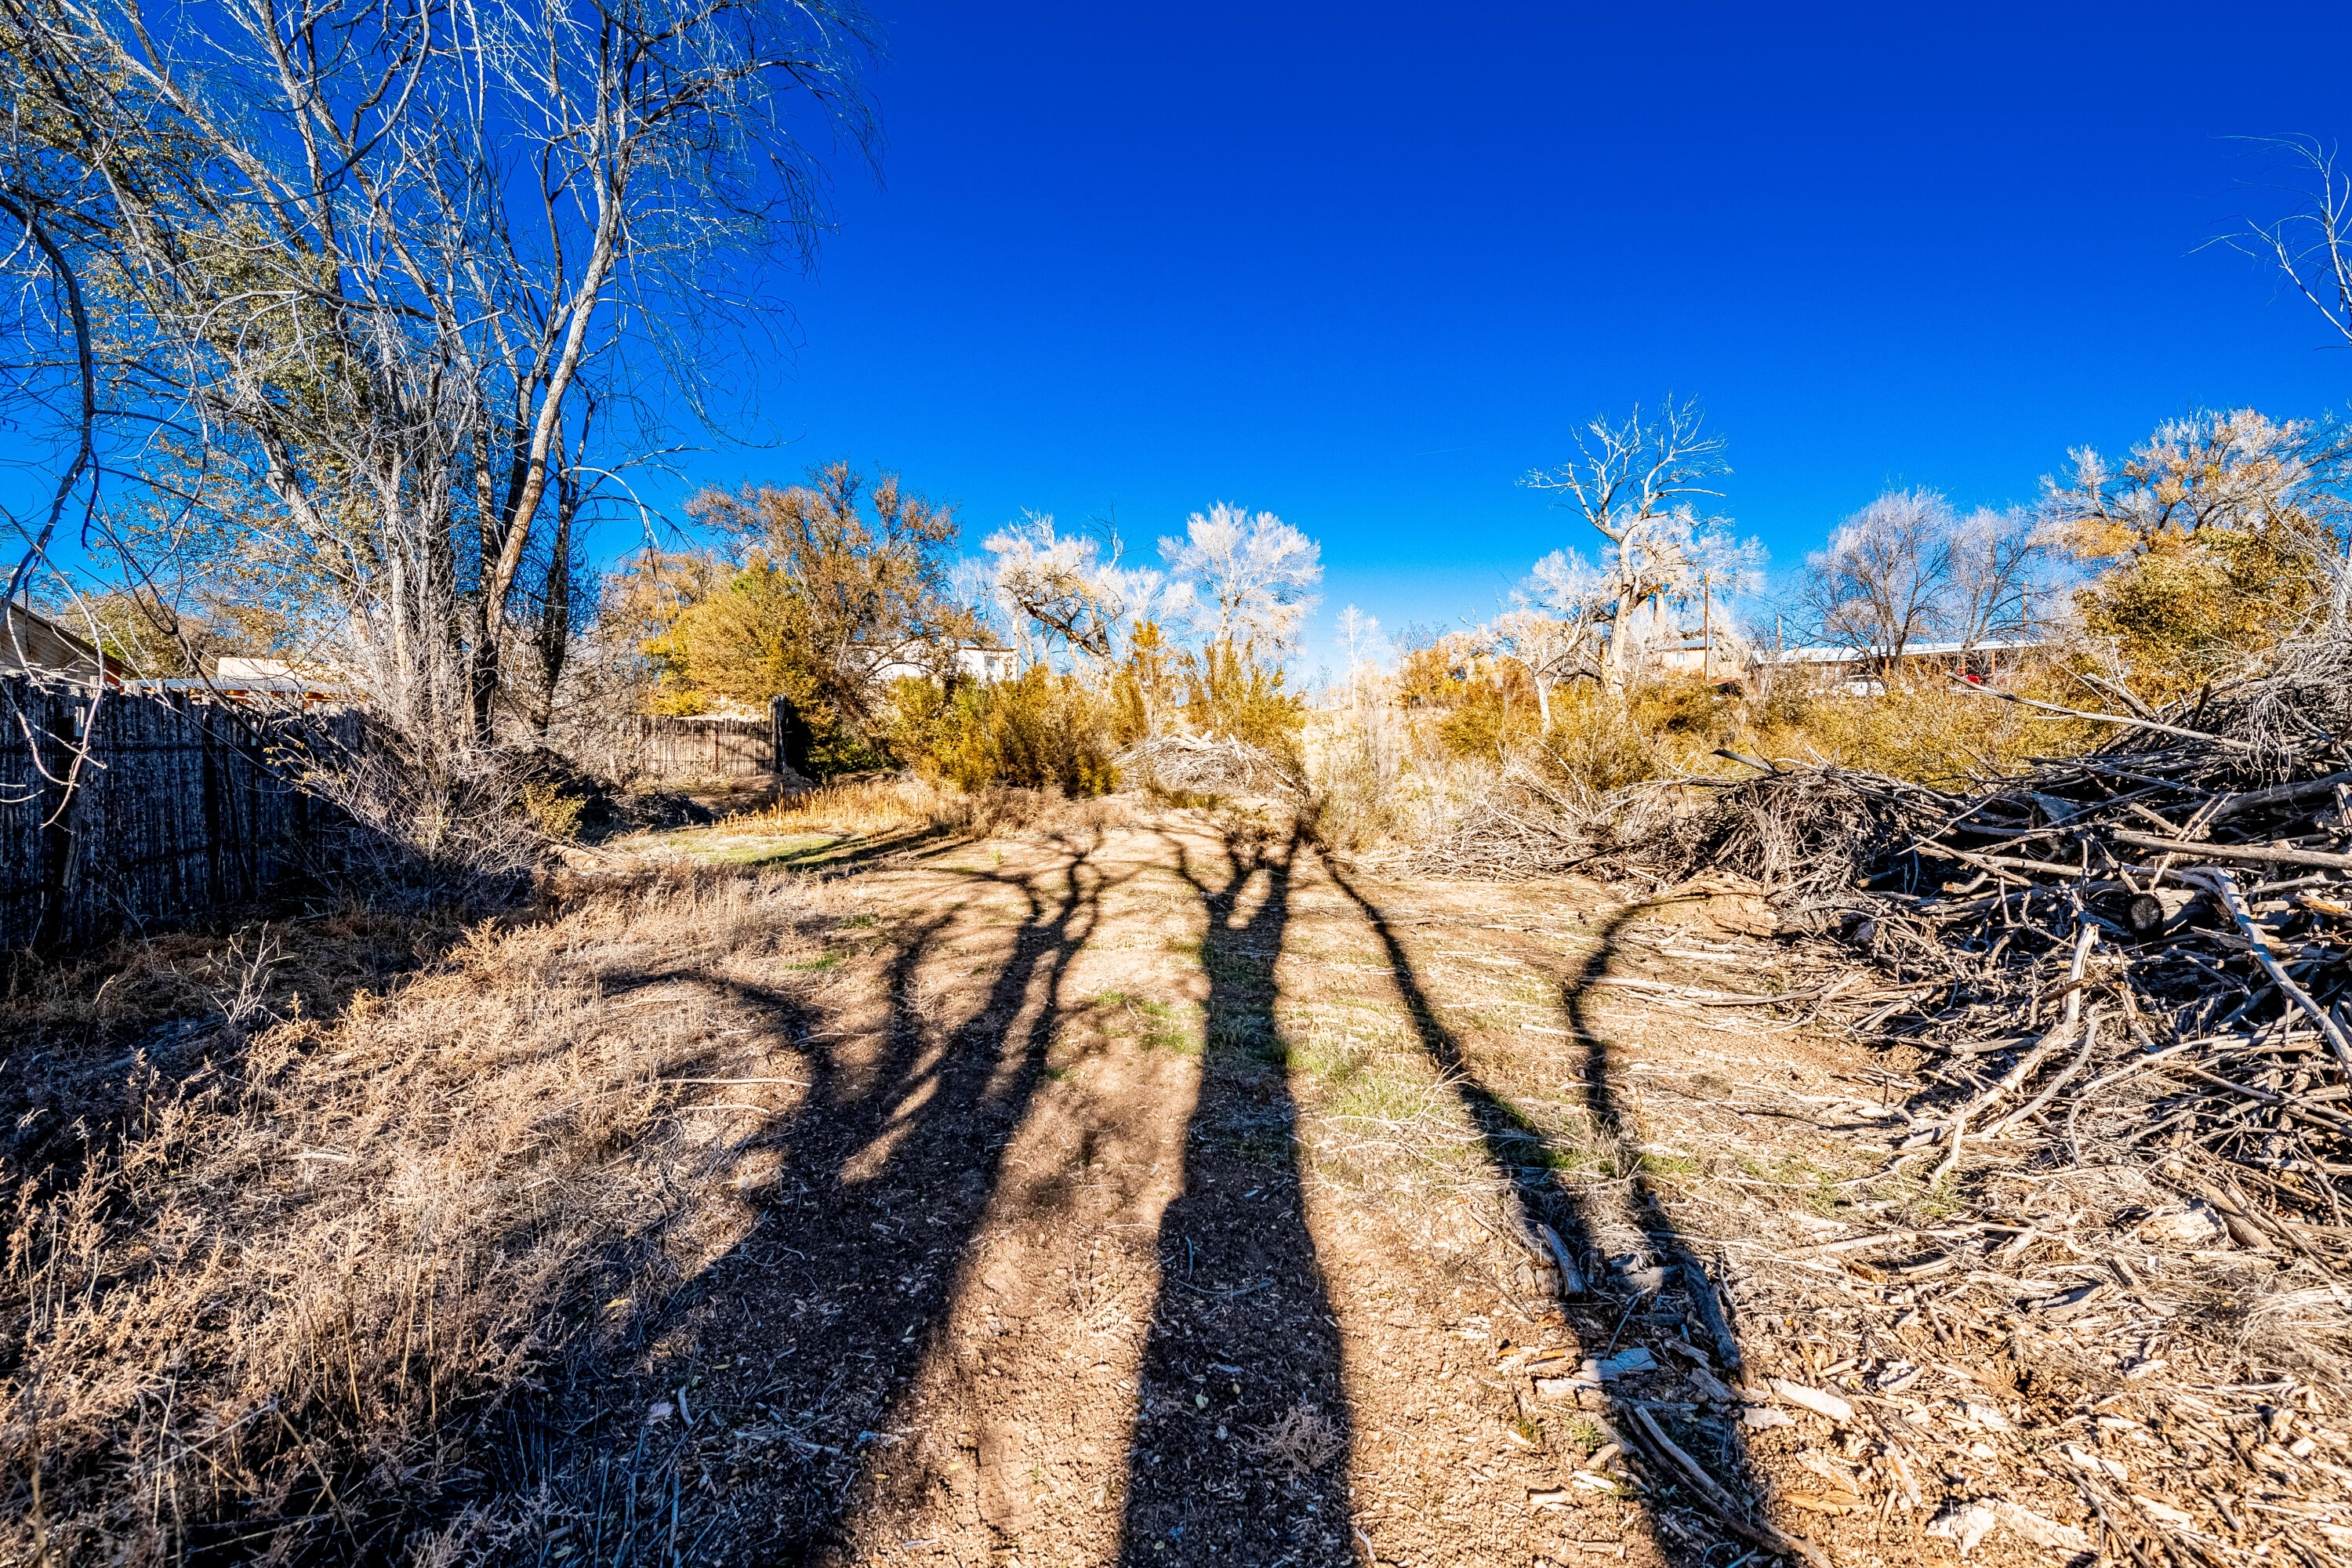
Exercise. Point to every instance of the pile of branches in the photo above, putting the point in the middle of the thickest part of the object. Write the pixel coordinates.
(2185, 893)
(1189, 764)
(2126, 977)
(1811, 834)
(1513, 827)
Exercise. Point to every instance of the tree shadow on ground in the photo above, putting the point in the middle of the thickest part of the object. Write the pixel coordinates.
(795, 1350)
(1243, 1429)
(1652, 1294)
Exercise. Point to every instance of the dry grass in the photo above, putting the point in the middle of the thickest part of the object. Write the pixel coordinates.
(1430, 791)
(1932, 734)
(865, 807)
(286, 1239)
(873, 808)
(1302, 1441)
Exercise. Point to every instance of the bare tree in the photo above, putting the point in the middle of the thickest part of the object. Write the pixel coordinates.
(1551, 649)
(1257, 572)
(1997, 570)
(361, 261)
(1885, 581)
(1069, 589)
(1639, 484)
(2312, 243)
(1358, 633)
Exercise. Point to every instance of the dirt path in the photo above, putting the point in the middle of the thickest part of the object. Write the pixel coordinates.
(1144, 1198)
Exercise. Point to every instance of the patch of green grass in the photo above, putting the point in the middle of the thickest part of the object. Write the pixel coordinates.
(770, 852)
(1162, 1030)
(1336, 1062)
(1941, 1201)
(827, 962)
(1378, 1096)
(1184, 947)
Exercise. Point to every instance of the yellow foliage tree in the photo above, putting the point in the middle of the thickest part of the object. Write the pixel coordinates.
(822, 590)
(2211, 537)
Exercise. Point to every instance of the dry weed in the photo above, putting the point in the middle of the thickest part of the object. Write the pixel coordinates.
(1302, 1441)
(281, 1252)
(872, 808)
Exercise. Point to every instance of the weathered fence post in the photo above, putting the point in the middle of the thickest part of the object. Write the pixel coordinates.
(788, 743)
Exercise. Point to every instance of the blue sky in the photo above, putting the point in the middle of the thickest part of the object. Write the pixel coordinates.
(1365, 266)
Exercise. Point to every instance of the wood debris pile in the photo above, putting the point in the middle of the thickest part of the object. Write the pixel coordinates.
(1183, 763)
(1515, 826)
(2127, 982)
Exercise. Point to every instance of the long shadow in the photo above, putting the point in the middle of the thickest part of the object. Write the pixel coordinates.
(804, 1339)
(1242, 1427)
(1640, 1301)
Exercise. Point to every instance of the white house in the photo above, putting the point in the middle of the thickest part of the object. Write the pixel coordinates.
(979, 661)
(1857, 673)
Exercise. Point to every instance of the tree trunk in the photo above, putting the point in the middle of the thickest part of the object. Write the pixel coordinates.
(555, 606)
(482, 663)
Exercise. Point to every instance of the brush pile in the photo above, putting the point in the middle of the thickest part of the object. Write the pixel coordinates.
(2125, 1015)
(1181, 763)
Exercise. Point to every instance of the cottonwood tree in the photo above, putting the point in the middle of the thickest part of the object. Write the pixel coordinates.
(1069, 590)
(1909, 568)
(842, 578)
(2215, 538)
(363, 262)
(1552, 650)
(1253, 576)
(1999, 563)
(1639, 483)
(1883, 582)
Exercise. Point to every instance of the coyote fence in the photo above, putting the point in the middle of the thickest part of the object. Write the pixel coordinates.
(149, 810)
(699, 748)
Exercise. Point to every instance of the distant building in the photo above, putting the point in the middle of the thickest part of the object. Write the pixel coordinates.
(242, 679)
(979, 661)
(1862, 674)
(36, 646)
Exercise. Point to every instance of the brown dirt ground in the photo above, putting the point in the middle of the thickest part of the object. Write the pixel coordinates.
(1138, 1196)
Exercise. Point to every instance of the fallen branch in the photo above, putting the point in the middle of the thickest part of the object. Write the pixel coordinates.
(2112, 719)
(2262, 853)
(2225, 888)
(1711, 1494)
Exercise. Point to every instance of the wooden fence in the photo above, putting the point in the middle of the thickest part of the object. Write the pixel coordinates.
(175, 808)
(697, 748)
(704, 748)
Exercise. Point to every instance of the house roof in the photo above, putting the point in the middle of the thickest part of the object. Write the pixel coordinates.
(1833, 655)
(32, 643)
